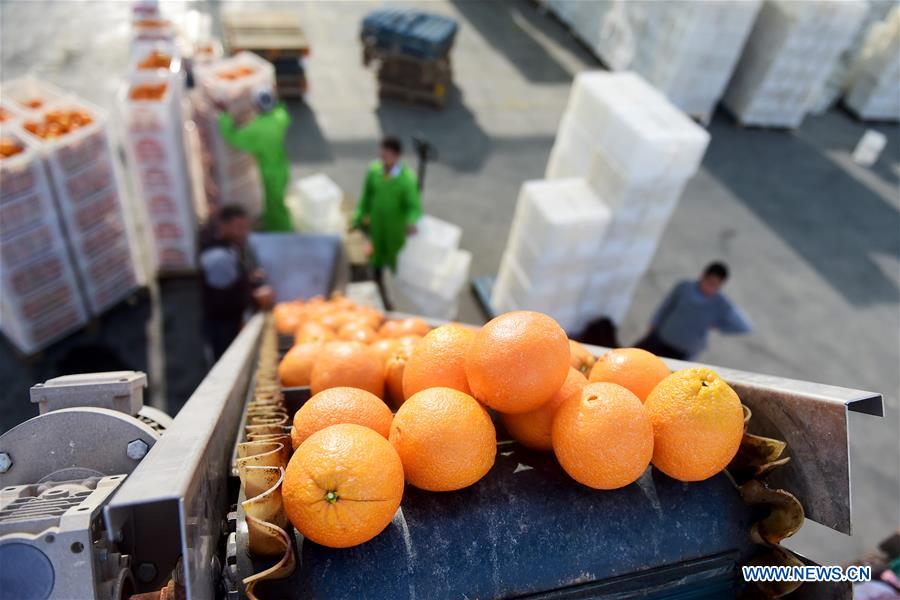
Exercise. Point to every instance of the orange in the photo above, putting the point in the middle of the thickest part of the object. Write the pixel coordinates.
(408, 326)
(602, 437)
(358, 332)
(312, 331)
(340, 405)
(698, 424)
(295, 368)
(517, 361)
(390, 329)
(384, 348)
(410, 340)
(343, 485)
(288, 317)
(347, 364)
(445, 439)
(533, 429)
(394, 369)
(632, 368)
(582, 359)
(439, 360)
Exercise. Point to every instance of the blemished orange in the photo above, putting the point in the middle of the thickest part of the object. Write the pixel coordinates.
(394, 369)
(534, 429)
(582, 359)
(632, 368)
(445, 439)
(439, 360)
(342, 486)
(357, 331)
(340, 405)
(347, 364)
(602, 437)
(517, 361)
(295, 368)
(698, 424)
(311, 331)
(384, 347)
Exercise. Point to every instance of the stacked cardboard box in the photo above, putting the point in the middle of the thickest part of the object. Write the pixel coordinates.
(874, 89)
(316, 206)
(230, 84)
(622, 157)
(791, 52)
(39, 295)
(686, 48)
(153, 129)
(431, 268)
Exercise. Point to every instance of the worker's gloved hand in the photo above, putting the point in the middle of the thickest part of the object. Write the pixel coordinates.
(258, 276)
(264, 297)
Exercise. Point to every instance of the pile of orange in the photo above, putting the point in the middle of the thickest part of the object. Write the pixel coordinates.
(10, 147)
(147, 91)
(605, 420)
(57, 123)
(155, 60)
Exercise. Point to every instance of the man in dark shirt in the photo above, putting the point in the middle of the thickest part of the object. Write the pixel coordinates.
(682, 322)
(231, 283)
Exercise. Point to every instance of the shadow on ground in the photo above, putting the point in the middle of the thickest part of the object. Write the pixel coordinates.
(852, 223)
(113, 342)
(506, 25)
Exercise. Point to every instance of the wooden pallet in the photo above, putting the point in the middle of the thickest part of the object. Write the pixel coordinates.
(435, 99)
(271, 34)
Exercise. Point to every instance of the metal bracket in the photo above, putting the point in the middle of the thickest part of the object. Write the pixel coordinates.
(173, 504)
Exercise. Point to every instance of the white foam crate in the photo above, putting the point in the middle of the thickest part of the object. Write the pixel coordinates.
(562, 217)
(319, 200)
(235, 95)
(443, 280)
(434, 241)
(875, 76)
(790, 53)
(158, 166)
(571, 153)
(9, 114)
(32, 336)
(639, 128)
(19, 92)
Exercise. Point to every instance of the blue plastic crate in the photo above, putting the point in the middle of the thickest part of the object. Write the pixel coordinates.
(411, 32)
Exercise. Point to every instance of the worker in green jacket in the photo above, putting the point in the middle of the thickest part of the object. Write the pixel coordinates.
(388, 209)
(263, 137)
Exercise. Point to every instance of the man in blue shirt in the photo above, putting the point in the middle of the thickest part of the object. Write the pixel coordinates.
(681, 325)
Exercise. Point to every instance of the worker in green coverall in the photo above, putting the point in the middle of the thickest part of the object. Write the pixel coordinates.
(388, 209)
(263, 137)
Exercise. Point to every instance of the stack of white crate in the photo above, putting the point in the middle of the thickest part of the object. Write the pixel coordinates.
(432, 269)
(85, 181)
(551, 252)
(837, 81)
(316, 206)
(39, 296)
(154, 142)
(623, 149)
(686, 48)
(791, 52)
(236, 178)
(874, 90)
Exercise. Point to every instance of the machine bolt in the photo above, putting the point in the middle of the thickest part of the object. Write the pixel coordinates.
(5, 462)
(146, 572)
(137, 449)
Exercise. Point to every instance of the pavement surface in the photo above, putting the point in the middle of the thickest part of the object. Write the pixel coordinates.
(812, 238)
